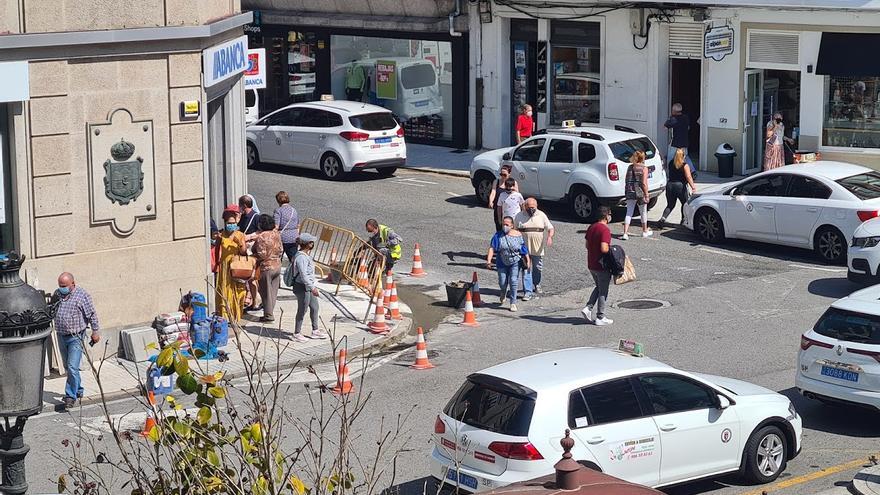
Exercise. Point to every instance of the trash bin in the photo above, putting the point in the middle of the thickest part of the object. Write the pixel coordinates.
(456, 292)
(725, 155)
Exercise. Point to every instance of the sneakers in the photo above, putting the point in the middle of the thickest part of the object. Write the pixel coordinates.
(299, 337)
(588, 314)
(69, 402)
(624, 237)
(538, 289)
(513, 308)
(648, 233)
(503, 296)
(319, 334)
(603, 321)
(662, 223)
(527, 297)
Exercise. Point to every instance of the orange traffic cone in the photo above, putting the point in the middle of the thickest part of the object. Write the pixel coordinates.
(362, 279)
(343, 381)
(470, 318)
(476, 290)
(378, 324)
(389, 280)
(150, 422)
(333, 262)
(422, 362)
(417, 270)
(394, 304)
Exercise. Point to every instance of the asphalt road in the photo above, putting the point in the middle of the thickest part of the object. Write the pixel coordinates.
(736, 310)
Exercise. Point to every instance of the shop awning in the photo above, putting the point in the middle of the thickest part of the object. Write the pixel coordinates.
(848, 54)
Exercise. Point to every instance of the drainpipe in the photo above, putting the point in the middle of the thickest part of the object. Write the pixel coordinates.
(452, 16)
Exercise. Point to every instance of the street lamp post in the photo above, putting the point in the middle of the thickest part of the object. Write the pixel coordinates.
(25, 317)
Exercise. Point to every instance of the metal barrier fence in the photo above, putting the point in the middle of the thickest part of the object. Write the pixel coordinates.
(346, 256)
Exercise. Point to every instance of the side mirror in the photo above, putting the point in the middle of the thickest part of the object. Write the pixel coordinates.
(723, 402)
(506, 156)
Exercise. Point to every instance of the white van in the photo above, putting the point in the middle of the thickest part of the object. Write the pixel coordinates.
(251, 106)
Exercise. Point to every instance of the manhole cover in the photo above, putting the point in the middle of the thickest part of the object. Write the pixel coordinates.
(641, 304)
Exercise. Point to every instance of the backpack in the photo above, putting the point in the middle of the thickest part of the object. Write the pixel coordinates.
(290, 274)
(614, 260)
(633, 185)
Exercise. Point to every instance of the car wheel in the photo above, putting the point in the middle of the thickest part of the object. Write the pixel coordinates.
(652, 203)
(765, 455)
(386, 172)
(830, 245)
(331, 167)
(253, 156)
(584, 204)
(709, 226)
(483, 187)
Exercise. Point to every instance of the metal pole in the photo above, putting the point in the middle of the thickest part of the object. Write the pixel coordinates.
(12, 452)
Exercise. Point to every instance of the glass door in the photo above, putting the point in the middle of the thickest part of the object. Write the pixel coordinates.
(753, 131)
(302, 50)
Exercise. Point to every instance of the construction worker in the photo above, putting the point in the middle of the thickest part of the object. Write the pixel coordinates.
(355, 80)
(385, 241)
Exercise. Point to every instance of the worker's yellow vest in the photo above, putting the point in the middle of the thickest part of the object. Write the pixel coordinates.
(395, 251)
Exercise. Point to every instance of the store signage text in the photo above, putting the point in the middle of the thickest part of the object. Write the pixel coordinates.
(225, 60)
(386, 79)
(718, 42)
(255, 74)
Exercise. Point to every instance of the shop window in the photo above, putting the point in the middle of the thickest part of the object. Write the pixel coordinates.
(852, 112)
(576, 84)
(412, 78)
(7, 232)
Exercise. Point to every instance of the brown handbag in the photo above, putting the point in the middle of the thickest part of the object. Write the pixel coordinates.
(242, 268)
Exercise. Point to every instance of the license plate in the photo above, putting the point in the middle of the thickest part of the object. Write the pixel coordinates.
(463, 479)
(383, 140)
(850, 376)
(422, 103)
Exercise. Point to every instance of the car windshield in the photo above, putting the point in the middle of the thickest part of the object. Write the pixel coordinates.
(417, 76)
(623, 150)
(849, 326)
(382, 121)
(863, 186)
(492, 404)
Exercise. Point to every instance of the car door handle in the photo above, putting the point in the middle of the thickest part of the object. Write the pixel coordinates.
(812, 210)
(768, 207)
(289, 134)
(595, 440)
(533, 169)
(323, 136)
(566, 171)
(668, 427)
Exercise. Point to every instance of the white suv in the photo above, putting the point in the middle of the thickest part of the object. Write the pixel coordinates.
(335, 137)
(839, 359)
(585, 166)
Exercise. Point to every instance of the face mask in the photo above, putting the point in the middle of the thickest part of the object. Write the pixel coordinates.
(64, 291)
(778, 121)
(506, 229)
(529, 113)
(531, 211)
(231, 227)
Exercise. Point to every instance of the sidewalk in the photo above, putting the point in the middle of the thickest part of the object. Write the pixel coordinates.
(342, 315)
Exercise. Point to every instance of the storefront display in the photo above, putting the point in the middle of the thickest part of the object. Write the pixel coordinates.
(576, 72)
(852, 112)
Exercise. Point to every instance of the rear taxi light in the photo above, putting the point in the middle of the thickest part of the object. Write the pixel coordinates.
(867, 215)
(354, 135)
(806, 342)
(439, 426)
(400, 132)
(613, 173)
(516, 450)
(873, 354)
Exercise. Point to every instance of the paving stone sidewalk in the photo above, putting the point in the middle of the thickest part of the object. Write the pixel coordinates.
(341, 314)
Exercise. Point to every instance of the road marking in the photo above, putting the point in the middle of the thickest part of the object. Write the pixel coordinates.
(419, 181)
(835, 270)
(453, 194)
(797, 480)
(401, 182)
(724, 253)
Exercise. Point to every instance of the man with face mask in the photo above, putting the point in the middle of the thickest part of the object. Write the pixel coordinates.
(538, 231)
(76, 312)
(384, 240)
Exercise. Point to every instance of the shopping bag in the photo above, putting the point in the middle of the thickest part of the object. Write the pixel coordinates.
(629, 273)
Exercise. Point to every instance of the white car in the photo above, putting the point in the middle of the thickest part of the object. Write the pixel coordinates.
(335, 137)
(814, 206)
(863, 258)
(585, 166)
(839, 359)
(631, 417)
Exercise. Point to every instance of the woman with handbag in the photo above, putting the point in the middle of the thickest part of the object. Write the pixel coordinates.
(510, 245)
(636, 189)
(235, 268)
(267, 249)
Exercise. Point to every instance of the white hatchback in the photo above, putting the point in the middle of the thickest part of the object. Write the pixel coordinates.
(863, 259)
(814, 206)
(335, 137)
(839, 359)
(631, 417)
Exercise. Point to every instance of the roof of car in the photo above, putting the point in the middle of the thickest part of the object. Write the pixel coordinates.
(583, 75)
(609, 135)
(863, 301)
(828, 169)
(555, 368)
(344, 106)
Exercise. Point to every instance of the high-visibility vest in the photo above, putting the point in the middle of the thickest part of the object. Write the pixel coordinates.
(395, 251)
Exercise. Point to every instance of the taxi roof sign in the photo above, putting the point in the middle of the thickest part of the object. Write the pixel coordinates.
(568, 123)
(631, 347)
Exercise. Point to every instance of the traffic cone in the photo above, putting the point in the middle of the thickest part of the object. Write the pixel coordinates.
(422, 362)
(362, 279)
(333, 262)
(476, 291)
(378, 324)
(470, 318)
(394, 304)
(150, 422)
(343, 381)
(389, 280)
(417, 270)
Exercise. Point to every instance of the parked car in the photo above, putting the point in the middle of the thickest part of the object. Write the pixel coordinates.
(335, 137)
(839, 359)
(863, 258)
(815, 206)
(631, 417)
(584, 166)
(251, 106)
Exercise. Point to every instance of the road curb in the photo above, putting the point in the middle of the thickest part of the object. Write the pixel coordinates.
(867, 481)
(440, 171)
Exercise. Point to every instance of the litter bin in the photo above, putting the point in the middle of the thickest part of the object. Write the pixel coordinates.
(456, 292)
(725, 155)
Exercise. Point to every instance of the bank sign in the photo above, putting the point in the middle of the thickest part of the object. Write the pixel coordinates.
(225, 60)
(255, 74)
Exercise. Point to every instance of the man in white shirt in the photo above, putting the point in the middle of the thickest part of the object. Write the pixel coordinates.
(538, 233)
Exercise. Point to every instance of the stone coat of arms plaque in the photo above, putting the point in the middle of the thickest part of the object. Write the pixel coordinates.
(122, 173)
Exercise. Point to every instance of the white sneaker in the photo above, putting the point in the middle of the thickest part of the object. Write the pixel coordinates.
(603, 321)
(624, 237)
(648, 233)
(588, 314)
(513, 308)
(538, 289)
(299, 337)
(318, 335)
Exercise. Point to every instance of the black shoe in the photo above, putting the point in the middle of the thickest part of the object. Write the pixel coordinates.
(661, 223)
(69, 402)
(267, 319)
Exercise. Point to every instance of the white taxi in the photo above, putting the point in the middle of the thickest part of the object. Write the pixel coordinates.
(631, 417)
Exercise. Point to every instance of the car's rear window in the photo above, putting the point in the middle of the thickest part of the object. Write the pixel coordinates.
(623, 150)
(863, 186)
(492, 404)
(418, 76)
(849, 326)
(381, 121)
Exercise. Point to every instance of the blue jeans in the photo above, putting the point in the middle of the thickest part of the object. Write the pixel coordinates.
(532, 278)
(71, 347)
(508, 280)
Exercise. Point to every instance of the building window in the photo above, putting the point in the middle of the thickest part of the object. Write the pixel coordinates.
(852, 112)
(7, 222)
(410, 77)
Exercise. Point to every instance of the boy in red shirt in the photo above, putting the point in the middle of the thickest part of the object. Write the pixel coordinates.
(598, 244)
(524, 124)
